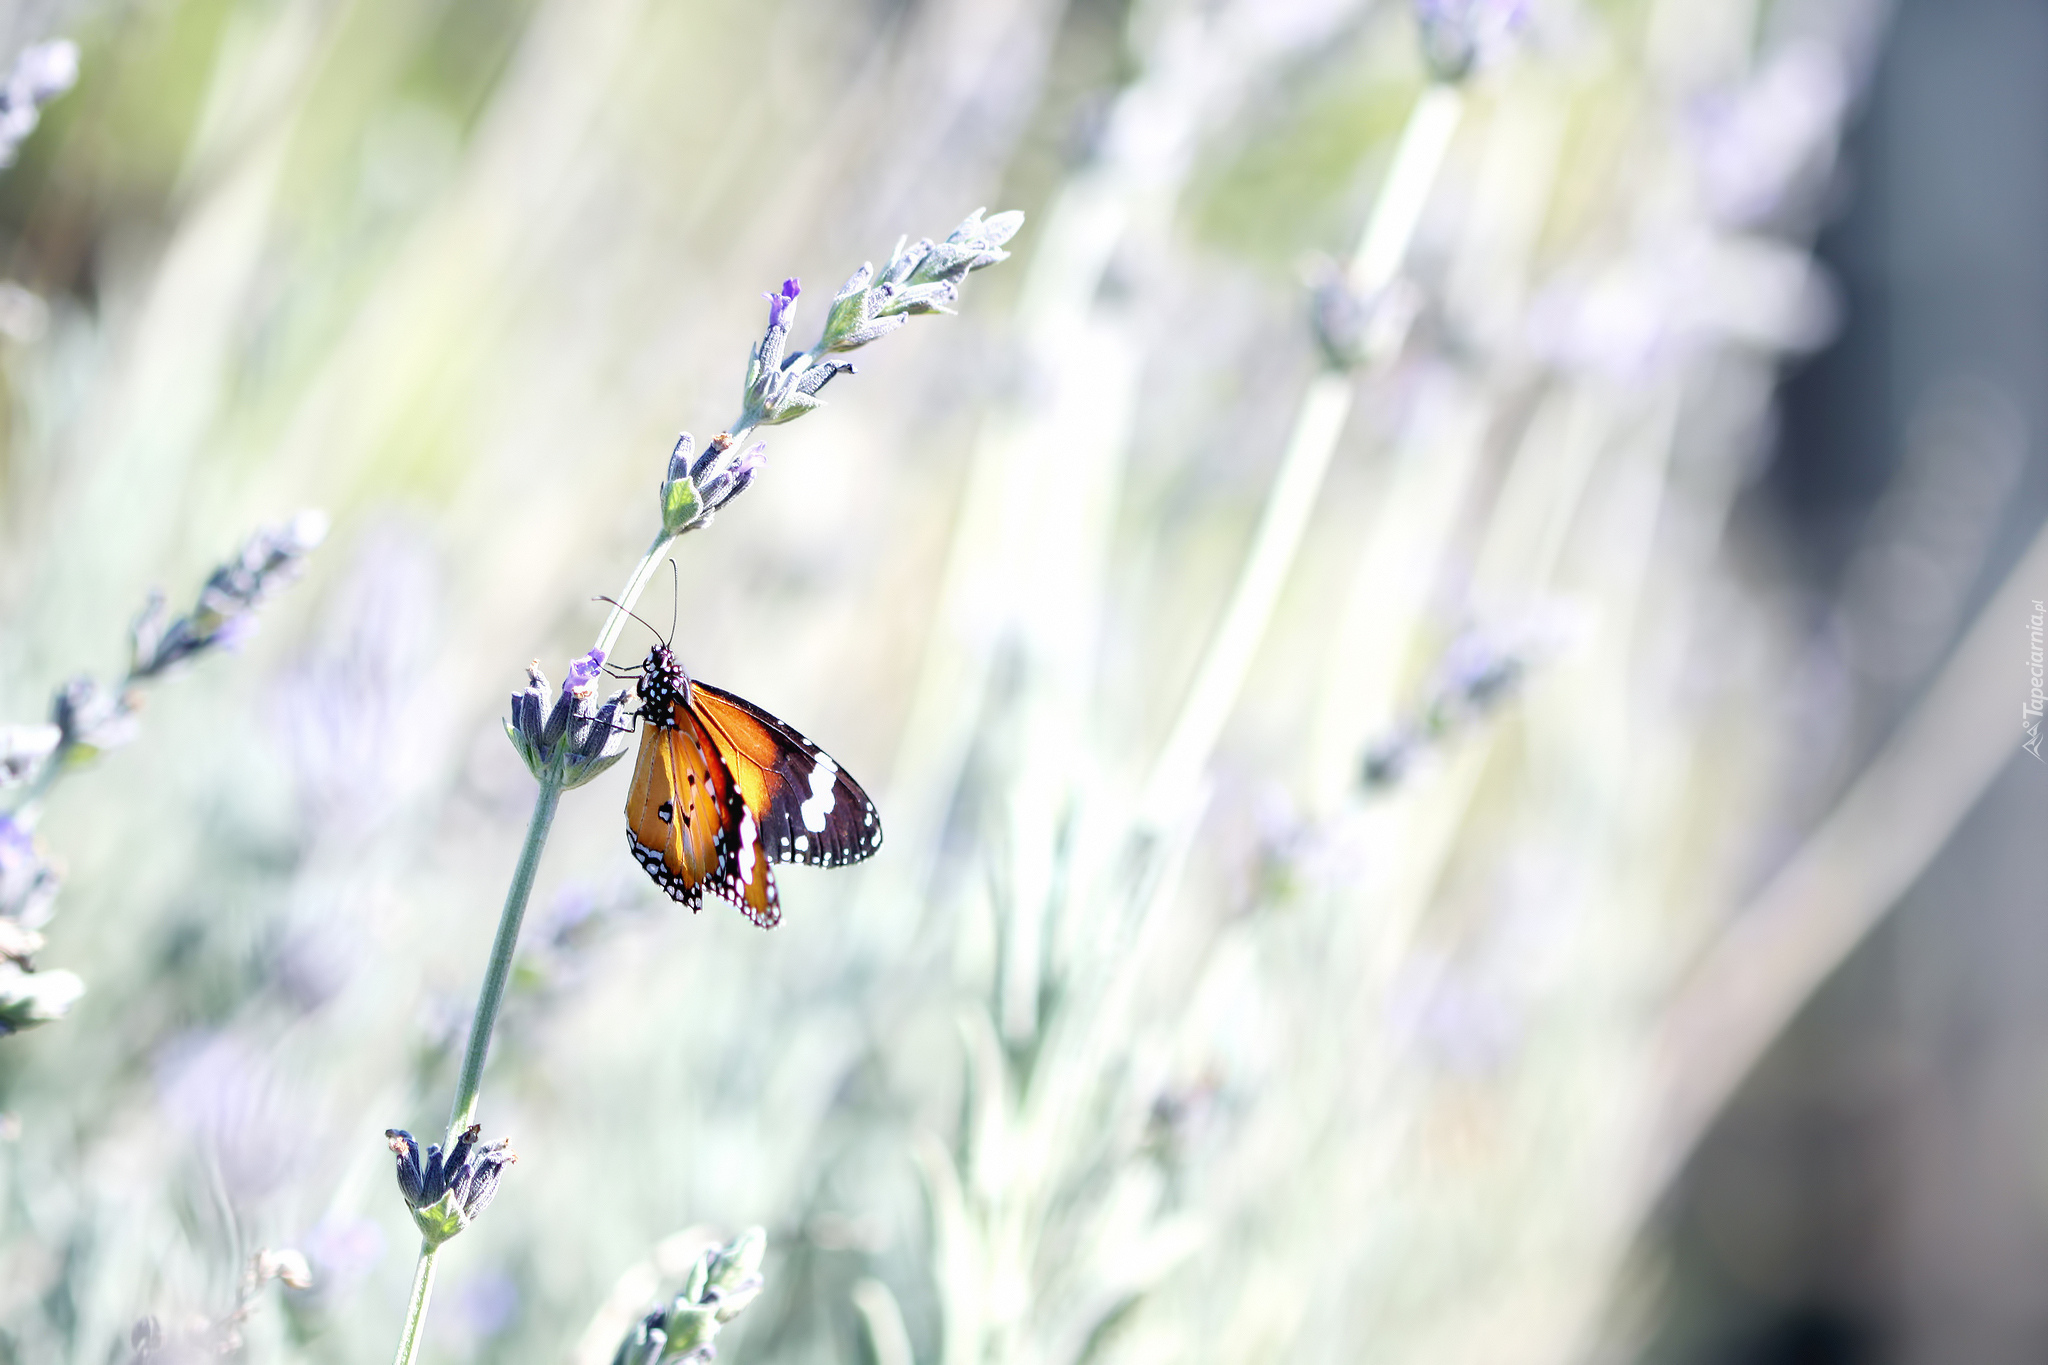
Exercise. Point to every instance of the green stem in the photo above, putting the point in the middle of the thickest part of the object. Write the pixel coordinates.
(630, 594)
(1317, 424)
(500, 969)
(487, 1001)
(643, 572)
(416, 1311)
(25, 804)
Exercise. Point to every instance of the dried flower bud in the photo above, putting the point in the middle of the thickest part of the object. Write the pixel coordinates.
(569, 735)
(286, 1265)
(1353, 328)
(91, 719)
(31, 998)
(18, 944)
(146, 1337)
(28, 878)
(24, 749)
(447, 1193)
(1477, 676)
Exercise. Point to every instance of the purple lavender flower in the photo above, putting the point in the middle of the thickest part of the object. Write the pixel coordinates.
(24, 750)
(583, 672)
(30, 998)
(1458, 35)
(447, 1191)
(572, 735)
(1477, 675)
(694, 492)
(779, 304)
(28, 880)
(91, 718)
(41, 73)
(223, 618)
(920, 278)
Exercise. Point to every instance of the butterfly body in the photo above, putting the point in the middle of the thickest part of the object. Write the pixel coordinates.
(721, 790)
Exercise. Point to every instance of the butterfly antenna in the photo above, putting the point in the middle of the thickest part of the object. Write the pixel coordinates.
(630, 612)
(675, 596)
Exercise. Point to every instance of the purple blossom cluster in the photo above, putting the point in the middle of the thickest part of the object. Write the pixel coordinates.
(87, 718)
(41, 73)
(1458, 36)
(781, 385)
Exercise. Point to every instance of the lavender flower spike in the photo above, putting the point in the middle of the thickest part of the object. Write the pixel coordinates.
(41, 73)
(720, 1286)
(583, 672)
(447, 1193)
(30, 998)
(780, 304)
(224, 616)
(920, 278)
(695, 490)
(570, 735)
(28, 879)
(24, 749)
(1458, 36)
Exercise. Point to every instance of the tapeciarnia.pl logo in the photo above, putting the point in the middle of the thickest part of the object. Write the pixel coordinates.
(2030, 714)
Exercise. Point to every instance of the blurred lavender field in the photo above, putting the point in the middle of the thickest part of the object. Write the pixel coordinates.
(1373, 753)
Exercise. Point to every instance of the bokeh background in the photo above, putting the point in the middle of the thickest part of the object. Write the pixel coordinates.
(1601, 921)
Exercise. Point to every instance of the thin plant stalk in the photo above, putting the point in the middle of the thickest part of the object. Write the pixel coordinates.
(416, 1309)
(773, 395)
(643, 572)
(1318, 423)
(489, 997)
(499, 971)
(622, 610)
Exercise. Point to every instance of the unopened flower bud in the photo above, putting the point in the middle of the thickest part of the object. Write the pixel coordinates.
(646, 1344)
(24, 749)
(721, 1283)
(29, 880)
(446, 1193)
(733, 1277)
(31, 998)
(286, 1265)
(1459, 35)
(569, 735)
(225, 615)
(1354, 328)
(91, 719)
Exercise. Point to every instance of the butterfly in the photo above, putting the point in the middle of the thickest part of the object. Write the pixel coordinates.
(721, 789)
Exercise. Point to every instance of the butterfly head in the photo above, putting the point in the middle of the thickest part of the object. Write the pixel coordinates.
(663, 684)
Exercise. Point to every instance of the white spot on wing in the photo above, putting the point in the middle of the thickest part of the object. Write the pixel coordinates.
(746, 848)
(819, 806)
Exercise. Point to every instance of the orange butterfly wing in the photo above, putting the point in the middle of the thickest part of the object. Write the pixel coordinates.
(808, 809)
(688, 824)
